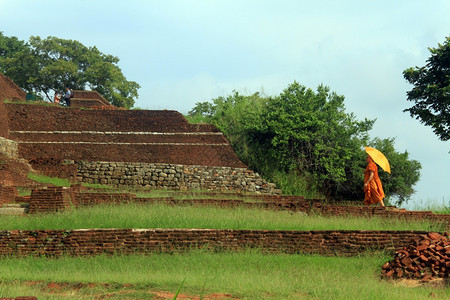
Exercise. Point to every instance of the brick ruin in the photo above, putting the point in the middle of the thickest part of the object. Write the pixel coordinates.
(9, 90)
(52, 199)
(140, 148)
(424, 258)
(83, 242)
(90, 99)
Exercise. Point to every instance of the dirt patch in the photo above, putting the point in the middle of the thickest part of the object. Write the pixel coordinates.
(14, 173)
(114, 291)
(9, 90)
(436, 282)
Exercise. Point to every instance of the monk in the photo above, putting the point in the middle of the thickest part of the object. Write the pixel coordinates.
(373, 189)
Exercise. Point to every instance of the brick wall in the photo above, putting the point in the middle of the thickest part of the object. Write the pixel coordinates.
(54, 167)
(83, 242)
(51, 199)
(87, 99)
(127, 135)
(8, 194)
(9, 90)
(119, 137)
(76, 102)
(4, 125)
(50, 118)
(206, 155)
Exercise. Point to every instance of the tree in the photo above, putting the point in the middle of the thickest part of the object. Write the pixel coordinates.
(305, 135)
(313, 134)
(51, 64)
(9, 46)
(431, 92)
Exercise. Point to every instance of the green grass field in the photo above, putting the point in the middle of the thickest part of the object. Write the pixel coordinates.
(244, 275)
(165, 216)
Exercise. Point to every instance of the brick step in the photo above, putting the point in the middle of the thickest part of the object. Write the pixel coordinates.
(217, 155)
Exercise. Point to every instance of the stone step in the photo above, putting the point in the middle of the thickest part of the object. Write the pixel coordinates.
(14, 209)
(8, 205)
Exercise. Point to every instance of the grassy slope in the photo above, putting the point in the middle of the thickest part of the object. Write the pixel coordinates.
(164, 216)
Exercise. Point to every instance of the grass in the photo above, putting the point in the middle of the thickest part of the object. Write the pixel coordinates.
(45, 179)
(434, 206)
(30, 102)
(165, 216)
(247, 275)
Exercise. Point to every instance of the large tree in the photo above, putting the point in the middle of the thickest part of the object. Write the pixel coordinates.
(431, 91)
(51, 64)
(9, 46)
(306, 135)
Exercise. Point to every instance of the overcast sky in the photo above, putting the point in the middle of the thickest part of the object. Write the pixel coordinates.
(183, 52)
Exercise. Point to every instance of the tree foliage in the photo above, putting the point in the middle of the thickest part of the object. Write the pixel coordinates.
(431, 92)
(45, 65)
(10, 45)
(305, 134)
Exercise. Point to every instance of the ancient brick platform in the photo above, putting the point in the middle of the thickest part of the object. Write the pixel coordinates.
(83, 242)
(120, 136)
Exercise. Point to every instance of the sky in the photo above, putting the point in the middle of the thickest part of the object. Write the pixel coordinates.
(186, 51)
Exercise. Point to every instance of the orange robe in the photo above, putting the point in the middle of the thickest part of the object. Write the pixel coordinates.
(373, 192)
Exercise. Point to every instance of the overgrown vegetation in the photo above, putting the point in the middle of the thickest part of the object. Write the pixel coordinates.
(166, 216)
(430, 94)
(43, 66)
(244, 275)
(46, 179)
(306, 142)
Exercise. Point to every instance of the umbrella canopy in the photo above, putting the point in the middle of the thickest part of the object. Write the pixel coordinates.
(379, 159)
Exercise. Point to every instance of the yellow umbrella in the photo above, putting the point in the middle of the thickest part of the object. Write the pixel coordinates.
(379, 159)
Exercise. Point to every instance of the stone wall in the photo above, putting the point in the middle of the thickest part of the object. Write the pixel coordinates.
(8, 147)
(83, 242)
(177, 177)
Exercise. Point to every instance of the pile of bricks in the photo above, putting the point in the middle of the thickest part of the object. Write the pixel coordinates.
(424, 258)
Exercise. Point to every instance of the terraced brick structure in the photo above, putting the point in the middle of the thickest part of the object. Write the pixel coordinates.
(146, 148)
(88, 99)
